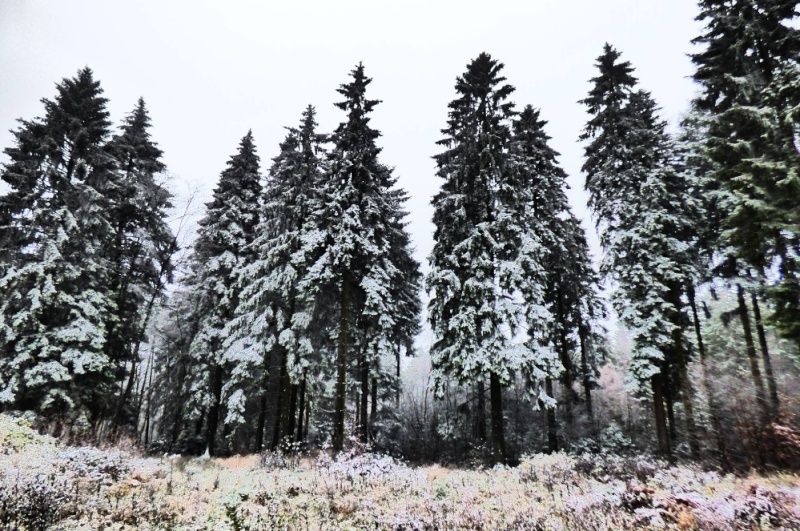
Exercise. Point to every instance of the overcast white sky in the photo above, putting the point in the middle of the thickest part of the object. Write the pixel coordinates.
(209, 71)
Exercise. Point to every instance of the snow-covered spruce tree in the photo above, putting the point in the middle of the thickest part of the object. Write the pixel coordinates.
(750, 49)
(355, 273)
(568, 279)
(141, 246)
(487, 310)
(222, 249)
(271, 340)
(640, 204)
(780, 164)
(53, 292)
(704, 191)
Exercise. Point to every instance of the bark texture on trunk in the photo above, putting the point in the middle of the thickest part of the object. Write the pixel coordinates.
(341, 366)
(496, 400)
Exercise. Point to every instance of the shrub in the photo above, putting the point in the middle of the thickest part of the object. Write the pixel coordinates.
(34, 501)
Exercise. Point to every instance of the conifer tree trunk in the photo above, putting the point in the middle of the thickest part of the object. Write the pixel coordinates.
(688, 408)
(292, 412)
(587, 381)
(279, 406)
(212, 421)
(397, 390)
(148, 411)
(687, 391)
(772, 386)
(373, 411)
(712, 401)
(363, 426)
(550, 415)
(480, 412)
(496, 400)
(662, 434)
(262, 421)
(341, 365)
(755, 371)
(669, 398)
(308, 416)
(301, 411)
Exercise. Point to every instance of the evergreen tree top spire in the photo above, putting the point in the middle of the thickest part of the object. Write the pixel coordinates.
(234, 205)
(611, 86)
(355, 131)
(133, 143)
(78, 112)
(528, 129)
(482, 86)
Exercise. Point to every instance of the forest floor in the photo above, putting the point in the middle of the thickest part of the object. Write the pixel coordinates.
(48, 485)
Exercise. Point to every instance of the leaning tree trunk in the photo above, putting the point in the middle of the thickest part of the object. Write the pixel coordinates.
(755, 371)
(772, 386)
(713, 408)
(496, 400)
(341, 365)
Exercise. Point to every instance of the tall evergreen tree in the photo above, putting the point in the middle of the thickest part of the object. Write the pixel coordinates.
(750, 49)
(273, 316)
(223, 248)
(486, 262)
(354, 276)
(53, 292)
(568, 280)
(639, 201)
(142, 243)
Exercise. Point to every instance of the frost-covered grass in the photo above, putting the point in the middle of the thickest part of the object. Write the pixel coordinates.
(44, 484)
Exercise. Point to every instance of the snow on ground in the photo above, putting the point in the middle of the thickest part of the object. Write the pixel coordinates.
(44, 484)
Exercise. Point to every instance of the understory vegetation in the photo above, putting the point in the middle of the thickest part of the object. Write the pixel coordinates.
(45, 484)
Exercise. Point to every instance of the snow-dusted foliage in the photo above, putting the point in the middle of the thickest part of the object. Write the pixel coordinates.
(644, 213)
(747, 67)
(222, 250)
(271, 319)
(488, 310)
(358, 246)
(485, 252)
(55, 301)
(566, 279)
(141, 243)
(48, 486)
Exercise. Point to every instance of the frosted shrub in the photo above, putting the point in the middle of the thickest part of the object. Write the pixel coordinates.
(279, 460)
(16, 434)
(610, 441)
(33, 501)
(549, 469)
(365, 469)
(94, 464)
(611, 467)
